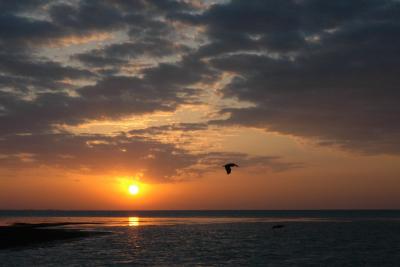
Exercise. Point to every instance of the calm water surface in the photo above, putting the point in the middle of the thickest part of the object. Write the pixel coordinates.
(215, 238)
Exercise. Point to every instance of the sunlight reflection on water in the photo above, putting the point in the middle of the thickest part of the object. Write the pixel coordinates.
(136, 221)
(133, 221)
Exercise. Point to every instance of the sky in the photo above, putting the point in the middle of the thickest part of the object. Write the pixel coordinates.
(96, 96)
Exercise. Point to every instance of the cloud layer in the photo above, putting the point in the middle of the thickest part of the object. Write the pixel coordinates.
(322, 70)
(311, 68)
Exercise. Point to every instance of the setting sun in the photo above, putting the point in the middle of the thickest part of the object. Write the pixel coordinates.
(133, 189)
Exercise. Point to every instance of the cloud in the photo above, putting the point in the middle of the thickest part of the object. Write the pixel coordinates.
(326, 71)
(162, 88)
(43, 73)
(118, 54)
(100, 154)
(17, 6)
(48, 110)
(185, 127)
(20, 31)
(37, 94)
(322, 70)
(95, 154)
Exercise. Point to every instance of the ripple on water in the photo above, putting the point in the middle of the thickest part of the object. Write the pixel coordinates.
(359, 243)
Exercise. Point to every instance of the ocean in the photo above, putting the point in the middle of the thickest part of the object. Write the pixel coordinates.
(214, 238)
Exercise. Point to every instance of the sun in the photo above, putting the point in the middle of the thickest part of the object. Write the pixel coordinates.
(133, 189)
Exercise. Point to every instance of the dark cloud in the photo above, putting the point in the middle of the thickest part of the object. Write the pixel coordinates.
(86, 16)
(36, 96)
(20, 31)
(152, 6)
(162, 88)
(95, 59)
(186, 72)
(39, 71)
(119, 54)
(324, 70)
(40, 21)
(185, 127)
(34, 99)
(140, 18)
(11, 6)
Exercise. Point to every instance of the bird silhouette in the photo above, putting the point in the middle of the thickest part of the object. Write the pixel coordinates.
(229, 166)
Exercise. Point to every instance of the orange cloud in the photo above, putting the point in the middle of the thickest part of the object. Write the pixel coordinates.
(81, 39)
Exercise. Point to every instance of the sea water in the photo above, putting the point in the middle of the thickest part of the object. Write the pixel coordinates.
(214, 238)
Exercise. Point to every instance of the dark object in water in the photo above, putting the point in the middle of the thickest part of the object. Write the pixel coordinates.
(21, 234)
(229, 166)
(277, 226)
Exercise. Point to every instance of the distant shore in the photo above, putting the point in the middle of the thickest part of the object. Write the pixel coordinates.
(21, 235)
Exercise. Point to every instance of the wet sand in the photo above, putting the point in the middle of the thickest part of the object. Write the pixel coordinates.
(23, 234)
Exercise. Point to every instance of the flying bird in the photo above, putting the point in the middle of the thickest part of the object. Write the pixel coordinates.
(229, 166)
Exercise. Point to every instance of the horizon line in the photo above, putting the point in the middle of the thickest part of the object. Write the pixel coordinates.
(120, 210)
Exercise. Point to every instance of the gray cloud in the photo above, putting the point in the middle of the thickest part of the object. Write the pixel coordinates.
(10, 6)
(87, 15)
(28, 136)
(40, 71)
(311, 68)
(186, 127)
(76, 19)
(318, 69)
(18, 31)
(162, 88)
(119, 54)
(34, 97)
